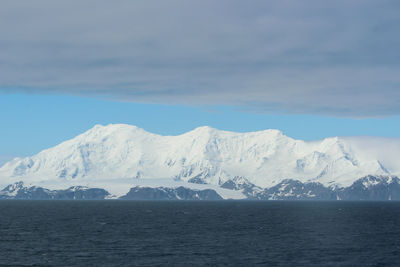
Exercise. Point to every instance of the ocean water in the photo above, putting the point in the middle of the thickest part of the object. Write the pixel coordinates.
(226, 233)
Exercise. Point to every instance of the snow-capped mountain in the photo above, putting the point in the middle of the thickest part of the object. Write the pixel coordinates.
(110, 154)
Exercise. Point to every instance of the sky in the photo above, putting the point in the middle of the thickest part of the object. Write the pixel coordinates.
(312, 69)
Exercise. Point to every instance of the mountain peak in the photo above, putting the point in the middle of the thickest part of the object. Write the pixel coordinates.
(110, 129)
(208, 129)
(204, 130)
(122, 151)
(114, 126)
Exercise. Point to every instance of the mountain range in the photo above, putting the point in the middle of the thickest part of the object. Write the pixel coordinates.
(124, 160)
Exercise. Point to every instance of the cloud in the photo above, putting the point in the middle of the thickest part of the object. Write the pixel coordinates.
(337, 58)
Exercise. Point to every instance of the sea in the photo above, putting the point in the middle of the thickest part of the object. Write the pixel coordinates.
(199, 233)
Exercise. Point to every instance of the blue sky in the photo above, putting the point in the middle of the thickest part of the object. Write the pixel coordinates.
(309, 68)
(31, 123)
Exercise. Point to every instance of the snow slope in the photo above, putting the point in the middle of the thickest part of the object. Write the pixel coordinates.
(108, 154)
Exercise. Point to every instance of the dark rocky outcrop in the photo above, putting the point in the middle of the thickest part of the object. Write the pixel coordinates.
(164, 193)
(290, 189)
(372, 188)
(250, 190)
(19, 191)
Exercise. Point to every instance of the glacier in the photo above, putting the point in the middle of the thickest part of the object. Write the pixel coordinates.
(118, 157)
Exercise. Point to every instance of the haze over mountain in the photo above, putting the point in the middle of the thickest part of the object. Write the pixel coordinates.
(127, 155)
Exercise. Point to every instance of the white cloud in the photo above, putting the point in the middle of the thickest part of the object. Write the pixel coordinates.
(336, 58)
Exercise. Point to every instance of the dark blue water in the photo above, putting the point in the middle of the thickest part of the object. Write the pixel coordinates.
(125, 233)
